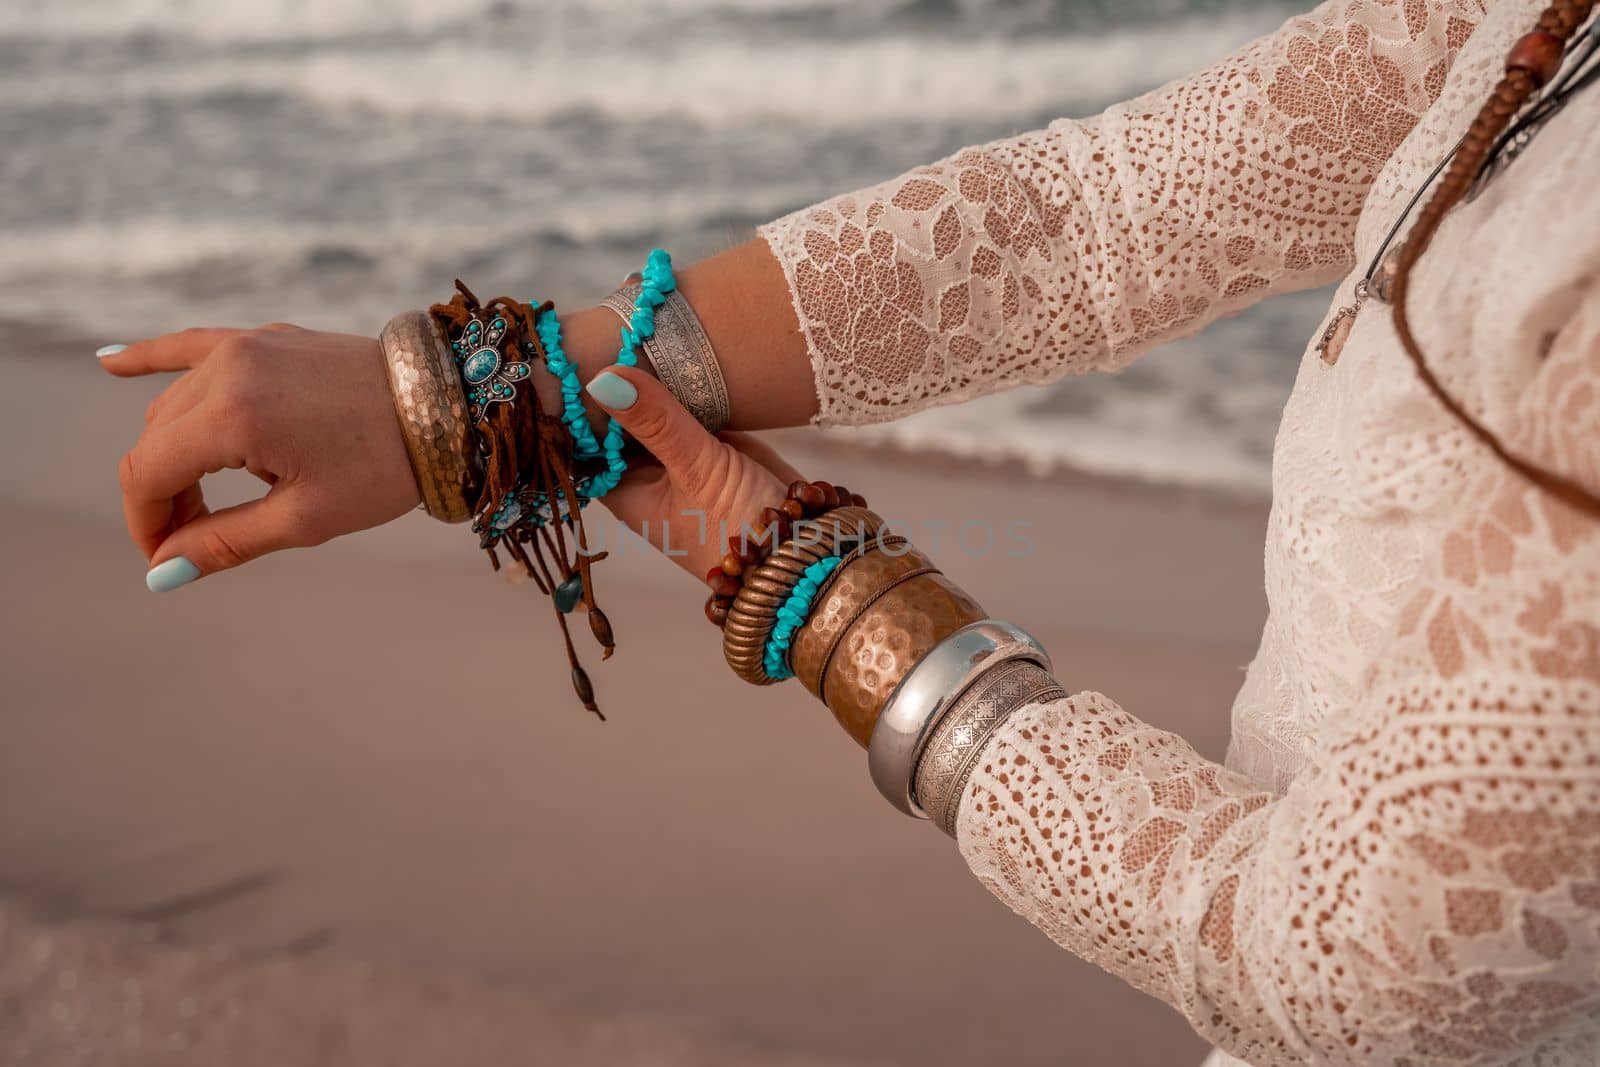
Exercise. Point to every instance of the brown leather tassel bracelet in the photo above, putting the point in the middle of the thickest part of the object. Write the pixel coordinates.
(529, 490)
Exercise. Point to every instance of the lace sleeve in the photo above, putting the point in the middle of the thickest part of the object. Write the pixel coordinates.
(1429, 890)
(1078, 247)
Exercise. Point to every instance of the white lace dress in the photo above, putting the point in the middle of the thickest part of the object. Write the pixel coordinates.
(1400, 861)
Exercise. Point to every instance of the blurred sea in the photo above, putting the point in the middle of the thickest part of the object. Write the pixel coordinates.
(173, 162)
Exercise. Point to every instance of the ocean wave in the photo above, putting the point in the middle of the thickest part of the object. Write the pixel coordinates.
(222, 21)
(153, 275)
(713, 81)
(149, 247)
(330, 161)
(1121, 439)
(215, 21)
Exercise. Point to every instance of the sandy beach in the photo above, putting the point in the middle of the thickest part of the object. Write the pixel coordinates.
(312, 811)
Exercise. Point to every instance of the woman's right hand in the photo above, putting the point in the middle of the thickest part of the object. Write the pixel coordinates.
(307, 412)
(708, 487)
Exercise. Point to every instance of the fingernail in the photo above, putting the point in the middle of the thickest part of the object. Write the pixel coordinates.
(165, 577)
(612, 390)
(109, 350)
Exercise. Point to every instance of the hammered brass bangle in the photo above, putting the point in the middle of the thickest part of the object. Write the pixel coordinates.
(432, 408)
(681, 354)
(953, 748)
(926, 692)
(852, 593)
(754, 610)
(888, 640)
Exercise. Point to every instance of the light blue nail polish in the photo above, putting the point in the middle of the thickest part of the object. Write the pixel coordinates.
(612, 390)
(109, 350)
(165, 577)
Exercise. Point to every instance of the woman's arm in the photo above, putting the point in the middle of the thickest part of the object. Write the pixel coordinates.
(1427, 892)
(743, 302)
(1081, 246)
(1077, 247)
(1069, 249)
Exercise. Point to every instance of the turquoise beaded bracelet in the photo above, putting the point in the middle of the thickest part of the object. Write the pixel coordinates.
(656, 282)
(793, 615)
(572, 413)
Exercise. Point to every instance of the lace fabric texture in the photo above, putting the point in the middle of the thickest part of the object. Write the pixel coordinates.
(1080, 246)
(1400, 862)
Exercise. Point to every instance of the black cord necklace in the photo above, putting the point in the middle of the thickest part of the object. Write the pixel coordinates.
(1580, 70)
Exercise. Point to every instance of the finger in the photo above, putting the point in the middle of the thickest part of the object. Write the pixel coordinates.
(168, 460)
(757, 449)
(220, 540)
(187, 506)
(648, 411)
(169, 352)
(179, 398)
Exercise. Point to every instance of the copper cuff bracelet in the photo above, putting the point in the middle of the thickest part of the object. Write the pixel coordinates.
(681, 354)
(432, 408)
(928, 691)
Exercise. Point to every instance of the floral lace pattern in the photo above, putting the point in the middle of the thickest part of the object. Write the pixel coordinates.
(1400, 862)
(1080, 246)
(1427, 891)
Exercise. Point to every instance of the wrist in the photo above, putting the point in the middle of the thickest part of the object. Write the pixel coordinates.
(888, 608)
(956, 740)
(842, 604)
(432, 410)
(591, 338)
(906, 661)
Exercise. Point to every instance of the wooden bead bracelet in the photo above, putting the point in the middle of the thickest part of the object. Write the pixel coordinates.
(844, 534)
(750, 548)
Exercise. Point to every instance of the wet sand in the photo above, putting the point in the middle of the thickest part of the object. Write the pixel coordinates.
(331, 789)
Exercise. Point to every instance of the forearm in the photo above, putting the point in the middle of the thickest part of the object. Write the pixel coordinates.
(1439, 835)
(1064, 250)
(1081, 246)
(743, 303)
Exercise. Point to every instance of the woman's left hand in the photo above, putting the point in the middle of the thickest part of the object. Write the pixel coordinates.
(707, 488)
